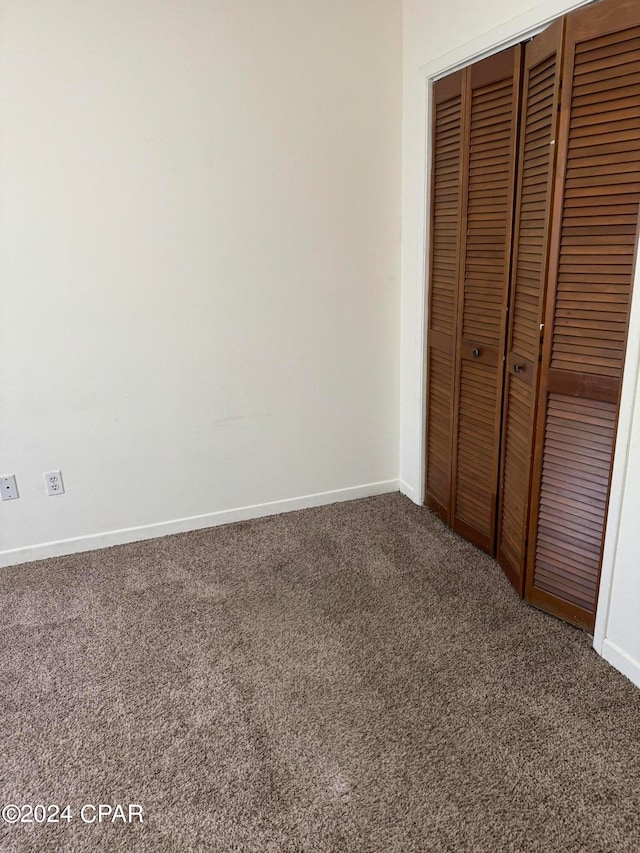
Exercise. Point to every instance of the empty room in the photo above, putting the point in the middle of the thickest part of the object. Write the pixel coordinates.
(320, 426)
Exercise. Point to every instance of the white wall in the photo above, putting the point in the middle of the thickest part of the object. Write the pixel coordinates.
(199, 256)
(438, 36)
(621, 627)
(617, 632)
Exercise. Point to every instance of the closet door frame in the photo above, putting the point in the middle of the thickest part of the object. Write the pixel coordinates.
(518, 29)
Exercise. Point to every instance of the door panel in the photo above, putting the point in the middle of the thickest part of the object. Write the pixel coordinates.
(488, 179)
(443, 287)
(539, 114)
(593, 244)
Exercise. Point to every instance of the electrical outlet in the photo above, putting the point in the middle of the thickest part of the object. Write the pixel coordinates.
(9, 488)
(53, 479)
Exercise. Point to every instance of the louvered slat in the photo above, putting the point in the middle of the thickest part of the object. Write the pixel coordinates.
(515, 479)
(597, 192)
(488, 179)
(443, 287)
(594, 238)
(538, 120)
(534, 196)
(475, 485)
(577, 452)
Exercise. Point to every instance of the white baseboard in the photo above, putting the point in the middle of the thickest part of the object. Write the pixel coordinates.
(95, 541)
(622, 661)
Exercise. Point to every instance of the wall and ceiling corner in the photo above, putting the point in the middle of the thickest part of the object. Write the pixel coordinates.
(430, 27)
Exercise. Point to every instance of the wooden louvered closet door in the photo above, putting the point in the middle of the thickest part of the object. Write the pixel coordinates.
(443, 287)
(594, 238)
(489, 146)
(539, 115)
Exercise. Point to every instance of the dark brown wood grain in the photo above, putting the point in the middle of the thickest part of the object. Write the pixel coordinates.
(534, 194)
(488, 180)
(521, 426)
(593, 246)
(443, 263)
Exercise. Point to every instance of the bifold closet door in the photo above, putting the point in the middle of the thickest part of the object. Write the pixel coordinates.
(488, 180)
(593, 244)
(444, 276)
(538, 124)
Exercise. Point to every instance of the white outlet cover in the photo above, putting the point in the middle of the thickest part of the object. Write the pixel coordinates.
(53, 481)
(9, 488)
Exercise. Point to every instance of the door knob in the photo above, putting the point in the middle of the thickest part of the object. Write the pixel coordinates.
(475, 352)
(518, 368)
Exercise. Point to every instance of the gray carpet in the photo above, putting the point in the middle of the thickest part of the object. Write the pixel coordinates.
(351, 678)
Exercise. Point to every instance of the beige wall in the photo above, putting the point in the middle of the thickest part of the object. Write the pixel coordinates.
(199, 256)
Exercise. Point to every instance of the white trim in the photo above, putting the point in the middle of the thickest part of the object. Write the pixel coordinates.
(514, 31)
(197, 522)
(409, 492)
(622, 661)
(423, 302)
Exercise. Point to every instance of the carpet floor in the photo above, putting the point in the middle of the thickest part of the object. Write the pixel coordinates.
(348, 679)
